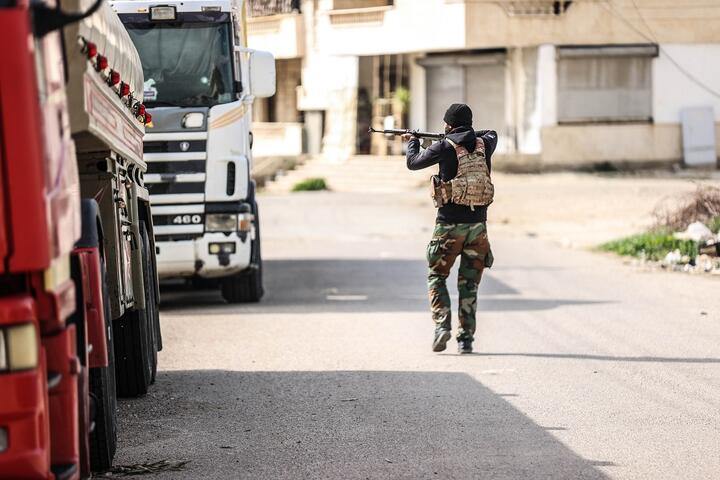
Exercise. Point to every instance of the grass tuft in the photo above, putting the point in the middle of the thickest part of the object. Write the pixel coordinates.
(310, 185)
(714, 225)
(652, 246)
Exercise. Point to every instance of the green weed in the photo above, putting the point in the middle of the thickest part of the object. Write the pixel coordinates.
(652, 245)
(714, 224)
(310, 185)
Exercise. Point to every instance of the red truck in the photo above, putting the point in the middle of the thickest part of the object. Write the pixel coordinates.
(78, 285)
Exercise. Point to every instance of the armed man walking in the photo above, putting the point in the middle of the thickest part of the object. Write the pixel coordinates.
(461, 192)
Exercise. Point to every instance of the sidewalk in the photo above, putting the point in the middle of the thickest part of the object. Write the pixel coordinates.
(581, 210)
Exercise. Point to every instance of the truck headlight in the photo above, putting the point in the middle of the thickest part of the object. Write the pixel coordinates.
(221, 222)
(18, 347)
(221, 248)
(3, 352)
(3, 439)
(193, 120)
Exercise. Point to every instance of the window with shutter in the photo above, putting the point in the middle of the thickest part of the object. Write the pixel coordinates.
(605, 84)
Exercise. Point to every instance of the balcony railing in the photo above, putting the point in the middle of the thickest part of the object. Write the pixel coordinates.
(359, 12)
(358, 4)
(264, 8)
(531, 8)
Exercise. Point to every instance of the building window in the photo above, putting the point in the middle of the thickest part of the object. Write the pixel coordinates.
(263, 8)
(605, 84)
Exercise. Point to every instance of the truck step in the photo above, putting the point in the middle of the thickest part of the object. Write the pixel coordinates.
(53, 379)
(65, 471)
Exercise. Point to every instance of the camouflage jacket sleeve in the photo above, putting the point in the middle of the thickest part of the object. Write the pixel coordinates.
(417, 160)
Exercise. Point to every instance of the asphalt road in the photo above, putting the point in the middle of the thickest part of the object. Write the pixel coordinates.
(585, 368)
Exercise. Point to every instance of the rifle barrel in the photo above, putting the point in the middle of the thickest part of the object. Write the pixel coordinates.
(434, 136)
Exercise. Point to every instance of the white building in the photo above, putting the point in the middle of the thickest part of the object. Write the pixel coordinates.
(565, 83)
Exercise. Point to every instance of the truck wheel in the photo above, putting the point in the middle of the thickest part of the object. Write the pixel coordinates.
(103, 439)
(134, 340)
(247, 286)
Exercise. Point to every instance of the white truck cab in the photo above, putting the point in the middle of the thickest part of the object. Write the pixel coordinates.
(200, 82)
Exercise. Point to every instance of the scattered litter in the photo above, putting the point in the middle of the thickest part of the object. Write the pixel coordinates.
(146, 468)
(388, 460)
(348, 399)
(226, 446)
(697, 232)
(673, 258)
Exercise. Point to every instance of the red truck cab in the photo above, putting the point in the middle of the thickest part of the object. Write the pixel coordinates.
(52, 327)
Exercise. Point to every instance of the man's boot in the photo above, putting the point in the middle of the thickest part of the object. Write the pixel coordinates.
(442, 335)
(465, 346)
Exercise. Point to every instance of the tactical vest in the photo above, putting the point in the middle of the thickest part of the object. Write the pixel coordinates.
(471, 186)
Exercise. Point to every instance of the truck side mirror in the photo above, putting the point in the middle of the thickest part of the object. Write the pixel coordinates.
(262, 74)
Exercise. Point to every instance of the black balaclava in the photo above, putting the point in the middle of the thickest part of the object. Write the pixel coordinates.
(458, 115)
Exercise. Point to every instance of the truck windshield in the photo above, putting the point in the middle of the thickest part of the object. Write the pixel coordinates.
(185, 64)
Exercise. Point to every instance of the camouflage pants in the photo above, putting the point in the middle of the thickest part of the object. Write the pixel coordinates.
(470, 242)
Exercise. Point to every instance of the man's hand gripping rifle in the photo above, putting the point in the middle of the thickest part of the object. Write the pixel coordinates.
(406, 133)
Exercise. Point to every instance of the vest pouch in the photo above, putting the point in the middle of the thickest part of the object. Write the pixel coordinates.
(436, 191)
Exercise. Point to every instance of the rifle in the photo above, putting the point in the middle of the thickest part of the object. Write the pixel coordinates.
(414, 133)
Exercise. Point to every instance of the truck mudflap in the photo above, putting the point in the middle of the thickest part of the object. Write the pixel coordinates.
(64, 373)
(89, 261)
(24, 405)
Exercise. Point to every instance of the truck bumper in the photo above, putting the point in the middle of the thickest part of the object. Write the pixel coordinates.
(23, 416)
(193, 257)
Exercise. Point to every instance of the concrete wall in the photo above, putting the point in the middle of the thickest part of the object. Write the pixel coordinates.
(288, 79)
(440, 25)
(418, 100)
(673, 90)
(282, 35)
(334, 39)
(277, 139)
(574, 146)
(377, 31)
(593, 22)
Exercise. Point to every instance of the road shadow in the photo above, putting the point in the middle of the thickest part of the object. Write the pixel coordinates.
(339, 285)
(341, 425)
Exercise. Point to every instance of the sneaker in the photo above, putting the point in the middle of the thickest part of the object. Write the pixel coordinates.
(441, 338)
(465, 346)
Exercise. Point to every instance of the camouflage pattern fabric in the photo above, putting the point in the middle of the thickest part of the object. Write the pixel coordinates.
(470, 242)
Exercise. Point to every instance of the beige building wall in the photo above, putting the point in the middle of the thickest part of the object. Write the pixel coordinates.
(578, 146)
(440, 25)
(335, 33)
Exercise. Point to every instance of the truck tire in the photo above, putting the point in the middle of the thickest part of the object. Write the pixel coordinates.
(151, 301)
(247, 286)
(134, 336)
(103, 439)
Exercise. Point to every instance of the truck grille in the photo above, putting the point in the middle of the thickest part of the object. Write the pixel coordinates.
(187, 166)
(176, 181)
(172, 187)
